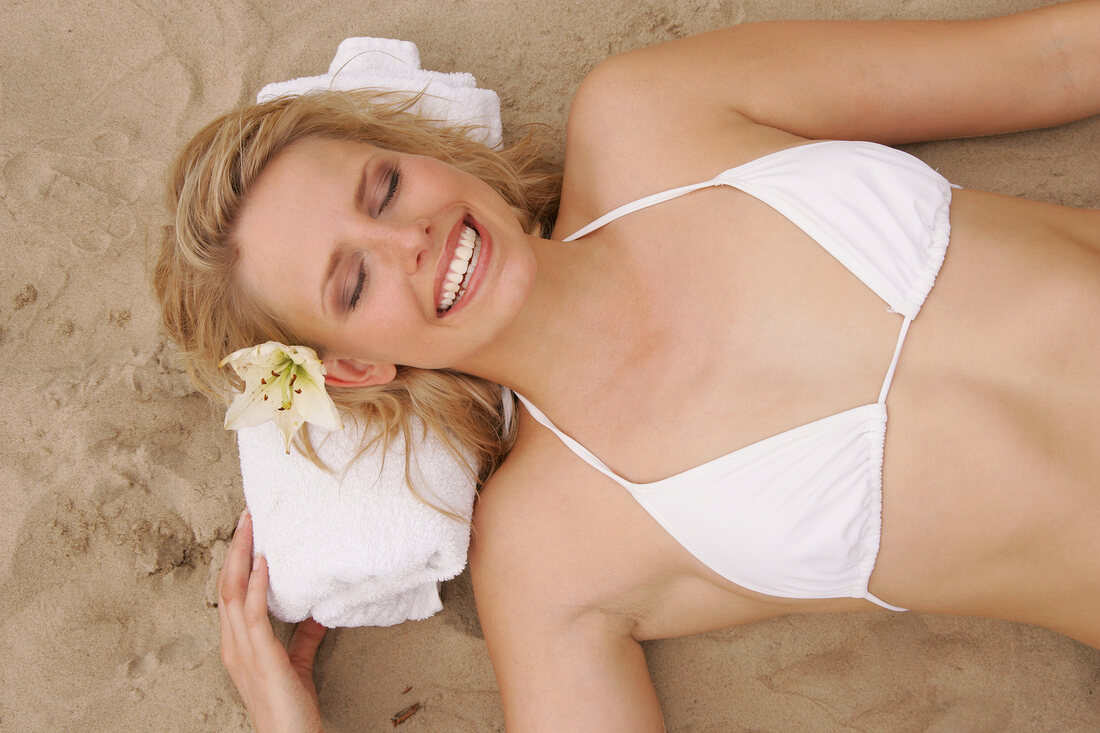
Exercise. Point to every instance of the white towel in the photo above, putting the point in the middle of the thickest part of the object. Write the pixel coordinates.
(354, 549)
(389, 65)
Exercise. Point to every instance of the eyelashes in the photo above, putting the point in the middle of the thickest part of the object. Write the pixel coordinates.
(395, 182)
(360, 280)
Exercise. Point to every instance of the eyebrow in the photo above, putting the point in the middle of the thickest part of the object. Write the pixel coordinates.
(361, 191)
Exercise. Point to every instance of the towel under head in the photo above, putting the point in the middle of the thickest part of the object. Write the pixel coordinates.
(355, 548)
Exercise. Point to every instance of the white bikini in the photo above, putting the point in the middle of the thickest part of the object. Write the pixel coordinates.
(799, 514)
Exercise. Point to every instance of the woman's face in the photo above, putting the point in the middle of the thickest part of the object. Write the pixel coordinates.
(354, 246)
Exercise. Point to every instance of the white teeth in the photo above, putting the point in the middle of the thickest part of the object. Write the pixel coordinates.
(460, 268)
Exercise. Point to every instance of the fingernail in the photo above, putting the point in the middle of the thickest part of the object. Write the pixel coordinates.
(244, 516)
(256, 562)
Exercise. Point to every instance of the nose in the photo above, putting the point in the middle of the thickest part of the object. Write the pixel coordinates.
(410, 244)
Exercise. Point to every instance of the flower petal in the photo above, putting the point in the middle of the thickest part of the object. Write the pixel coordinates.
(288, 424)
(282, 383)
(314, 404)
(249, 408)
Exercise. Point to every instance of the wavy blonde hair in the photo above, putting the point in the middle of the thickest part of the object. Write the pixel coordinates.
(207, 312)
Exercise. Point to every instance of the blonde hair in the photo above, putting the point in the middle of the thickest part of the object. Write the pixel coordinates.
(209, 314)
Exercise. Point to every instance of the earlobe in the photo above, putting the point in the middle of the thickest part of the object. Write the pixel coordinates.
(352, 373)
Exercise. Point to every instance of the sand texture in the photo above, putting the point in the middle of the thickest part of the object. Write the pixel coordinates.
(120, 488)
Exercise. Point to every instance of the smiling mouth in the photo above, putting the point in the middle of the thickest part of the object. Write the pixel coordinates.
(460, 270)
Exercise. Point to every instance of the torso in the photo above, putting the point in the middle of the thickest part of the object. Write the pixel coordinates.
(990, 474)
(991, 453)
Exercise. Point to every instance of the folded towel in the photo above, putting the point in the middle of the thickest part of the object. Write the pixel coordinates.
(355, 548)
(390, 65)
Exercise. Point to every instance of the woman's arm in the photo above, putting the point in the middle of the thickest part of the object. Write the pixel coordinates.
(579, 677)
(885, 81)
(562, 665)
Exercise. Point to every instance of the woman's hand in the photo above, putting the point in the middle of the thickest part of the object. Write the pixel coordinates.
(275, 683)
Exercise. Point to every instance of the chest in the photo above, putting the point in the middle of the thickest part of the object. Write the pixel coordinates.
(742, 327)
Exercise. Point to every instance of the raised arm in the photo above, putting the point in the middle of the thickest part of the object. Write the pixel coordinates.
(884, 81)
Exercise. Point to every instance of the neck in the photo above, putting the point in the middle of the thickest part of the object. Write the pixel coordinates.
(577, 330)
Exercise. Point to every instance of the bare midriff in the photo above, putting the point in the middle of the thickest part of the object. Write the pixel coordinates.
(992, 470)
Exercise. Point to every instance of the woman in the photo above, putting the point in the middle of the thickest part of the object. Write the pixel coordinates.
(774, 303)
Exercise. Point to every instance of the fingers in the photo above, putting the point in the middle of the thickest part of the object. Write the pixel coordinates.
(255, 602)
(247, 640)
(233, 578)
(266, 650)
(247, 636)
(303, 646)
(278, 693)
(232, 592)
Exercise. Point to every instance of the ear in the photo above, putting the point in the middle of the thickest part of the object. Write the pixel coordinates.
(352, 373)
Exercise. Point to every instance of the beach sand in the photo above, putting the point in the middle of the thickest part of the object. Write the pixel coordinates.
(120, 488)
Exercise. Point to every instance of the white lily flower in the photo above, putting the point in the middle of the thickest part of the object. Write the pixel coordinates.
(281, 383)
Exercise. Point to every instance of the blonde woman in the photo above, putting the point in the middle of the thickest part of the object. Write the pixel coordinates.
(705, 368)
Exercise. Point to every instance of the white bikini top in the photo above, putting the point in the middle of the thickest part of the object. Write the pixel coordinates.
(799, 514)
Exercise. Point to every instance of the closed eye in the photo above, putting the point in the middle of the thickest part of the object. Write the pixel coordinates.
(353, 299)
(395, 182)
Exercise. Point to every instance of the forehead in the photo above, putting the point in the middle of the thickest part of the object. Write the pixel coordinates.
(304, 167)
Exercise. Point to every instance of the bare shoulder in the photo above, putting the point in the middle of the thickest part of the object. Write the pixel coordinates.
(551, 532)
(632, 131)
(536, 524)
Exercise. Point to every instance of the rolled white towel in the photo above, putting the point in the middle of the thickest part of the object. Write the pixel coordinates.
(355, 548)
(390, 65)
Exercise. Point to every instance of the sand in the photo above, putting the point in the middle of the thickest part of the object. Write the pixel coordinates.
(120, 489)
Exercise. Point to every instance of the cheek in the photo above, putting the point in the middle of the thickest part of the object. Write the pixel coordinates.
(381, 328)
